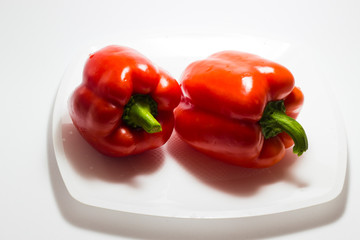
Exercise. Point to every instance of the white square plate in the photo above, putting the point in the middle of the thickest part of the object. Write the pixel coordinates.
(177, 181)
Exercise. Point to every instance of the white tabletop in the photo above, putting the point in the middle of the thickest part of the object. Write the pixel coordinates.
(39, 39)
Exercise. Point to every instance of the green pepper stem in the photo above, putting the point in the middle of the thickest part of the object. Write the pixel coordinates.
(275, 121)
(140, 112)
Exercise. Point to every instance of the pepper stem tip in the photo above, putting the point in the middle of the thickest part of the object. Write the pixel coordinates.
(140, 112)
(275, 121)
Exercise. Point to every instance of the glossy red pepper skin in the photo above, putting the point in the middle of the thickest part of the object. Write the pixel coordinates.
(224, 99)
(110, 77)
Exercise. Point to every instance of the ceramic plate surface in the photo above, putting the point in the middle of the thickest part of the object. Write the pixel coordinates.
(177, 181)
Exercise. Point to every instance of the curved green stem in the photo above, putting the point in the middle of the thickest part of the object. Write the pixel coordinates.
(275, 121)
(140, 112)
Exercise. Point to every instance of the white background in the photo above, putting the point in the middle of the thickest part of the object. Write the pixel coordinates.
(39, 38)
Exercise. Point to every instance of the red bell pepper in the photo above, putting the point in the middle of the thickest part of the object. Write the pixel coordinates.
(240, 108)
(124, 104)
